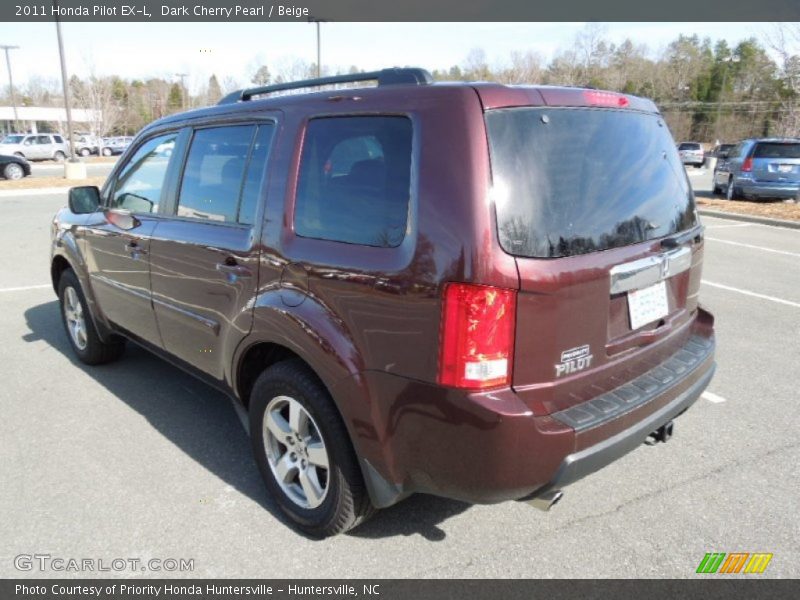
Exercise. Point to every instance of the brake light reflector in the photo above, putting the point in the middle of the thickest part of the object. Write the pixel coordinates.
(477, 336)
(597, 98)
(747, 165)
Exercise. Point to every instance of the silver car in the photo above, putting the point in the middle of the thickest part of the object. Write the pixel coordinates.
(35, 146)
(691, 153)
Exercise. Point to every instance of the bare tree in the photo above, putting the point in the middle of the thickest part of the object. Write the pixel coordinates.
(97, 95)
(784, 39)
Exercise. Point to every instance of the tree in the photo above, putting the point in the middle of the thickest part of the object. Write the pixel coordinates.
(262, 76)
(175, 98)
(214, 90)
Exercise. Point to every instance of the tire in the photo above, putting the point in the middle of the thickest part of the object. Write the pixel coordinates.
(85, 342)
(84, 152)
(59, 156)
(731, 191)
(107, 152)
(13, 171)
(290, 387)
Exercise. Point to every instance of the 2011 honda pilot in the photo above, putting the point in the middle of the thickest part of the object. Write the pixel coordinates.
(477, 291)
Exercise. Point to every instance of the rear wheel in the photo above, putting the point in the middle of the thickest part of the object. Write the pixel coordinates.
(59, 156)
(84, 152)
(82, 335)
(13, 171)
(303, 451)
(731, 191)
(106, 151)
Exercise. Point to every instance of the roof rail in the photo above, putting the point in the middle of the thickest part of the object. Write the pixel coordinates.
(395, 76)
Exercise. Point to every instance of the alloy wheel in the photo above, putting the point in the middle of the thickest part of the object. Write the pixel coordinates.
(73, 313)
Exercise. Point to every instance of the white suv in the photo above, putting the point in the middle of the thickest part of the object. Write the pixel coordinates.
(35, 146)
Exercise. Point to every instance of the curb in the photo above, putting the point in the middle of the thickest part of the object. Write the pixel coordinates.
(749, 218)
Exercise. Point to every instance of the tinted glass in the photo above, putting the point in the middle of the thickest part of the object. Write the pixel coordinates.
(573, 181)
(256, 167)
(689, 146)
(139, 184)
(355, 175)
(13, 139)
(212, 178)
(58, 139)
(776, 150)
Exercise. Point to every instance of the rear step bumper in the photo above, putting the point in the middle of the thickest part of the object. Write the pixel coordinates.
(580, 464)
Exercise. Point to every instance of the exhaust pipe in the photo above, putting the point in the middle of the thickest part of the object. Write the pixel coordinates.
(547, 500)
(662, 434)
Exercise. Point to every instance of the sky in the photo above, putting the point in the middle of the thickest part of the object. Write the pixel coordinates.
(233, 51)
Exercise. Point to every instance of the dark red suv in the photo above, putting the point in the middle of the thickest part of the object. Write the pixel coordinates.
(472, 290)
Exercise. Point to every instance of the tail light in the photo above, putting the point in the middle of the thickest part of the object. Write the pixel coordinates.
(477, 336)
(747, 165)
(597, 98)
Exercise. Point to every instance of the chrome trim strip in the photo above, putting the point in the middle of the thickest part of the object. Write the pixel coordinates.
(647, 271)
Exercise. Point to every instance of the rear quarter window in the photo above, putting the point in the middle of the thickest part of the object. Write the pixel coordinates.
(354, 181)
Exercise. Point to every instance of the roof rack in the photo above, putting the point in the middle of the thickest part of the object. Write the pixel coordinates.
(395, 76)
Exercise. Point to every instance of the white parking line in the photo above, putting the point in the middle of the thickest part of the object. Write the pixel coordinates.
(711, 397)
(27, 287)
(729, 226)
(763, 248)
(753, 294)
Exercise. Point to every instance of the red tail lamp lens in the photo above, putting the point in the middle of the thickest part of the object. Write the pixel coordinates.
(477, 336)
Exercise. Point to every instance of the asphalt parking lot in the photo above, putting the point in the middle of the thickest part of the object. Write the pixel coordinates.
(137, 459)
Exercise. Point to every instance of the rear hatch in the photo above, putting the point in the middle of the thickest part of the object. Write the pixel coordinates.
(595, 205)
(777, 162)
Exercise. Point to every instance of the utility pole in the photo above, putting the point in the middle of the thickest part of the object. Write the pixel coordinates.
(64, 83)
(11, 82)
(726, 62)
(183, 88)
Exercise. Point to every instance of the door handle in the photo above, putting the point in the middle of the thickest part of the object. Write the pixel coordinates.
(234, 271)
(134, 249)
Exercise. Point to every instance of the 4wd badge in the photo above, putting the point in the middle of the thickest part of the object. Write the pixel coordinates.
(574, 360)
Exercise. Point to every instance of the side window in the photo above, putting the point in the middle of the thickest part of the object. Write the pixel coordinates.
(58, 139)
(43, 139)
(255, 171)
(214, 173)
(354, 182)
(139, 183)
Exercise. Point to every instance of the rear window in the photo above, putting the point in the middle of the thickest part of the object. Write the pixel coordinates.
(689, 146)
(571, 181)
(776, 150)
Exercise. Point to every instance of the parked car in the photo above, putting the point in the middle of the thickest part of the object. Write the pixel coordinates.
(14, 167)
(37, 146)
(691, 153)
(333, 262)
(114, 146)
(86, 145)
(760, 168)
(721, 150)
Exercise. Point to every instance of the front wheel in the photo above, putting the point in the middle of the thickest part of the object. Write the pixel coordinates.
(82, 335)
(13, 171)
(59, 156)
(106, 151)
(303, 451)
(84, 152)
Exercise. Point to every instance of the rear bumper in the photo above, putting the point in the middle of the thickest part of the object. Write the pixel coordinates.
(580, 464)
(489, 447)
(768, 189)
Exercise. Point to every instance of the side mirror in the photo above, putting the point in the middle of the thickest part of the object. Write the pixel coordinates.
(84, 199)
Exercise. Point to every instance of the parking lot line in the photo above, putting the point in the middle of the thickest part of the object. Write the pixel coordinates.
(729, 226)
(711, 397)
(26, 287)
(764, 248)
(753, 294)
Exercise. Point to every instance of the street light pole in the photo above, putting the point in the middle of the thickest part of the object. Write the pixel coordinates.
(64, 83)
(11, 82)
(317, 22)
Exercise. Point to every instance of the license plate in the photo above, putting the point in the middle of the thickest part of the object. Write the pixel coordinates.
(648, 304)
(785, 168)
